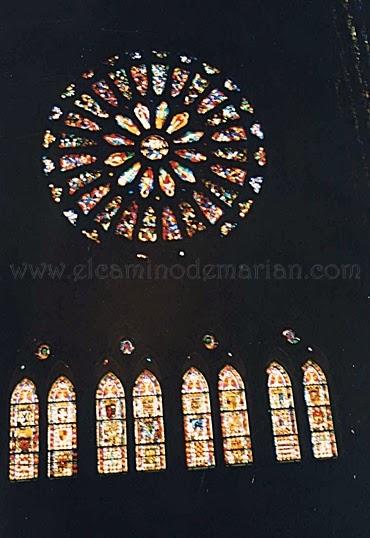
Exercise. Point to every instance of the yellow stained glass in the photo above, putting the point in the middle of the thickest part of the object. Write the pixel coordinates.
(24, 432)
(198, 430)
(284, 424)
(316, 393)
(62, 429)
(234, 418)
(111, 438)
(149, 426)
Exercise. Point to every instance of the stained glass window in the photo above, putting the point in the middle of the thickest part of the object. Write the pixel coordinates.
(24, 432)
(234, 418)
(111, 436)
(149, 426)
(290, 336)
(43, 352)
(210, 342)
(316, 393)
(196, 408)
(284, 424)
(62, 429)
(153, 146)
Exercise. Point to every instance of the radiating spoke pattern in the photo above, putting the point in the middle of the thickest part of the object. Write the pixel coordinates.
(316, 393)
(153, 146)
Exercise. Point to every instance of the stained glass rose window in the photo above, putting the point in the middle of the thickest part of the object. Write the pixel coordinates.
(153, 147)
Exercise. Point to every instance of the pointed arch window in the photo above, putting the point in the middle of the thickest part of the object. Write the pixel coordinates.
(196, 407)
(150, 451)
(24, 432)
(284, 423)
(62, 429)
(316, 393)
(234, 418)
(111, 437)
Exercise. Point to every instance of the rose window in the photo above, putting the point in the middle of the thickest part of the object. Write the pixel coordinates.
(153, 147)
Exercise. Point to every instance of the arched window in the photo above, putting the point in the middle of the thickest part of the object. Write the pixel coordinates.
(234, 418)
(149, 427)
(320, 418)
(111, 436)
(284, 424)
(196, 408)
(24, 432)
(62, 429)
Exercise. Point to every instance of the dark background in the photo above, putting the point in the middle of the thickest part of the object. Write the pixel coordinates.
(289, 57)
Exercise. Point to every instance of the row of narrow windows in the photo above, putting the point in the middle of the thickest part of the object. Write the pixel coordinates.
(149, 430)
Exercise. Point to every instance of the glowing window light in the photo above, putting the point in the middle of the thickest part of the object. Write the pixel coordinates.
(24, 432)
(62, 429)
(111, 438)
(316, 393)
(284, 424)
(198, 430)
(234, 418)
(149, 426)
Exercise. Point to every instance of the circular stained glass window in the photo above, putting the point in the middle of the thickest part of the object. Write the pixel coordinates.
(153, 147)
(43, 352)
(210, 342)
(126, 347)
(290, 336)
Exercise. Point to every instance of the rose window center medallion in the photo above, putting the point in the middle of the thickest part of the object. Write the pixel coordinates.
(153, 147)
